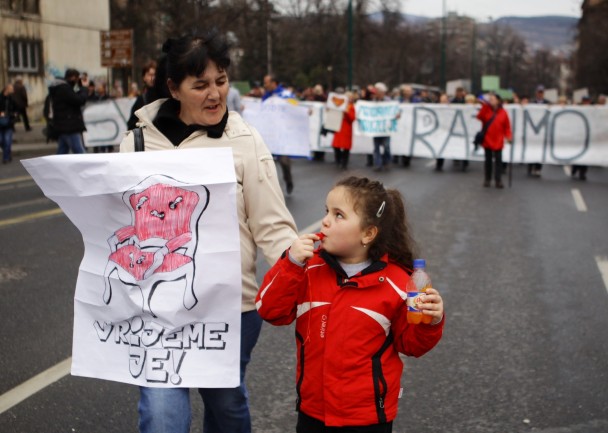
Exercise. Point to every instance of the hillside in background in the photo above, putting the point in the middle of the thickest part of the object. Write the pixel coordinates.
(554, 32)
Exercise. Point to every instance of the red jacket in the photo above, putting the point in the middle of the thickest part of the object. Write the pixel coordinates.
(499, 130)
(343, 139)
(349, 332)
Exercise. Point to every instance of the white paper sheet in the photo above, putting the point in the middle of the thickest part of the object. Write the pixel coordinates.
(158, 295)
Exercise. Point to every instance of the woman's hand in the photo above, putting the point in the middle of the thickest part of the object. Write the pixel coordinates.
(302, 248)
(432, 305)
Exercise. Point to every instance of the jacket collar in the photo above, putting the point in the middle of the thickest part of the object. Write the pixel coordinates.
(171, 126)
(362, 279)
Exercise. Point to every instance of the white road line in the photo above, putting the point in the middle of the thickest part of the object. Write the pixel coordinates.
(567, 170)
(35, 384)
(313, 228)
(431, 163)
(602, 263)
(578, 200)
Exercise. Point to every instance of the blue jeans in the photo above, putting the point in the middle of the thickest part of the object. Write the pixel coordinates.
(167, 410)
(6, 140)
(65, 142)
(385, 158)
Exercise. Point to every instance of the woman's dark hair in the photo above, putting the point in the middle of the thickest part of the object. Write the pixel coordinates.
(150, 65)
(385, 209)
(190, 54)
(160, 88)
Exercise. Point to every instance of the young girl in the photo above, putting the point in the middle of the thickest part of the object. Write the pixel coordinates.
(347, 298)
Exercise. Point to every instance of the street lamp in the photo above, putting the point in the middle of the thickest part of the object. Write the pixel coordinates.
(443, 43)
(350, 45)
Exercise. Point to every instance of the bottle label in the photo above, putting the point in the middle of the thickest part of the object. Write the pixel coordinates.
(414, 299)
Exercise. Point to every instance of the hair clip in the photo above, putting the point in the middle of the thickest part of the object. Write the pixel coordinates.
(381, 209)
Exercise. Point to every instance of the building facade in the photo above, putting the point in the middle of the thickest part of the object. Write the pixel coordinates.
(40, 39)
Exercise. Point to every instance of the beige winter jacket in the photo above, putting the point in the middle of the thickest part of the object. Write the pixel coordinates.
(264, 220)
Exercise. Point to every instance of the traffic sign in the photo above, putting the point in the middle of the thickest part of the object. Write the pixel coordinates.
(116, 48)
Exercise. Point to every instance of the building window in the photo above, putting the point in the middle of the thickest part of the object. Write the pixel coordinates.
(24, 56)
(21, 6)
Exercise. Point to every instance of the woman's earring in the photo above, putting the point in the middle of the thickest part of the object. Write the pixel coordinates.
(364, 244)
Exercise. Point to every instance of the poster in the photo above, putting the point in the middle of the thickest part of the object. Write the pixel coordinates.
(282, 123)
(158, 294)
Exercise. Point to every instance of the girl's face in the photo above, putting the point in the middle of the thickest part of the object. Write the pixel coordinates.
(341, 226)
(202, 98)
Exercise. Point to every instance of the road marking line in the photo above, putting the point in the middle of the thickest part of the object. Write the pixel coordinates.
(312, 228)
(25, 203)
(567, 170)
(29, 217)
(602, 263)
(578, 200)
(430, 163)
(14, 180)
(35, 384)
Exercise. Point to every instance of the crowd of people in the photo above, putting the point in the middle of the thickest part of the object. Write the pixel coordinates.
(381, 158)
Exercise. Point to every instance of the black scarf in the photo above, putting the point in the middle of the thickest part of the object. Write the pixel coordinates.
(168, 122)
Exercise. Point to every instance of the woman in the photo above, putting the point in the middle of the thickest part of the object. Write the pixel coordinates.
(195, 116)
(7, 122)
(343, 139)
(497, 129)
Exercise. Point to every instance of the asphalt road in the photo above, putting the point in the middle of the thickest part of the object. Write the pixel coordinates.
(525, 347)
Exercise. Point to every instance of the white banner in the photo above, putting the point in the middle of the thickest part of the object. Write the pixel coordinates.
(158, 295)
(546, 134)
(283, 123)
(106, 121)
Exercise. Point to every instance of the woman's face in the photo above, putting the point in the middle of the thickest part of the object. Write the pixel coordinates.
(202, 98)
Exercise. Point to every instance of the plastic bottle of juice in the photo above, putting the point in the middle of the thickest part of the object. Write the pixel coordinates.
(420, 281)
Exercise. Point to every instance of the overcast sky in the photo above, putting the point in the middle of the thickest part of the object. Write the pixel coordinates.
(482, 9)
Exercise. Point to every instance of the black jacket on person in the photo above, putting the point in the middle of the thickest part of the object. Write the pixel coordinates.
(67, 107)
(7, 105)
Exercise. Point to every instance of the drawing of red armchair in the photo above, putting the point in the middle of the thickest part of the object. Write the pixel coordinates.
(158, 249)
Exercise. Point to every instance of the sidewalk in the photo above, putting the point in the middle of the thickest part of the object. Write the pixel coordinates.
(32, 143)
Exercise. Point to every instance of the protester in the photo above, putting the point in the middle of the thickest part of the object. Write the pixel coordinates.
(581, 170)
(148, 74)
(134, 90)
(273, 88)
(347, 298)
(7, 122)
(257, 91)
(234, 100)
(67, 98)
(318, 94)
(536, 168)
(382, 158)
(196, 116)
(497, 128)
(343, 139)
(406, 94)
(100, 95)
(92, 92)
(459, 98)
(21, 102)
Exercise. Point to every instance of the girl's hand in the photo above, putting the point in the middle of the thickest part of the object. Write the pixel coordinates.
(432, 305)
(303, 247)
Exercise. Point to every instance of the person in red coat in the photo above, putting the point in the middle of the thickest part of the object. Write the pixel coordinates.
(348, 298)
(496, 123)
(343, 139)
